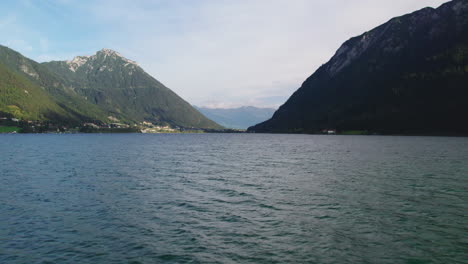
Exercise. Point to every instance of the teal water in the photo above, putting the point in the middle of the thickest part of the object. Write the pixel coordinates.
(233, 198)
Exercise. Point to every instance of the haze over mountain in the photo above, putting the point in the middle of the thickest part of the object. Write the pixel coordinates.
(408, 75)
(238, 118)
(106, 87)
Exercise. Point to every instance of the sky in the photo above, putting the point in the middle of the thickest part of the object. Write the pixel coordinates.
(214, 53)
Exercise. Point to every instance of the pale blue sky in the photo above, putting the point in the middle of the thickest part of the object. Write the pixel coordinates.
(211, 52)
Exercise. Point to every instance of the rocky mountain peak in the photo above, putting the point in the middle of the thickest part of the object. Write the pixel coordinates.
(109, 52)
(100, 55)
(77, 62)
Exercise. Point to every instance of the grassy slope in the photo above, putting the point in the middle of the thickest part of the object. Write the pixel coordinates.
(25, 100)
(9, 129)
(74, 107)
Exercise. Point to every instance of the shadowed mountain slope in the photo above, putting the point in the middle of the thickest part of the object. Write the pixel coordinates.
(409, 75)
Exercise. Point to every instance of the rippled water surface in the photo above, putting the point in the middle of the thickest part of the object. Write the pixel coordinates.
(233, 198)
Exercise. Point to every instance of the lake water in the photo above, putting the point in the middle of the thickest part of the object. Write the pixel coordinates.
(233, 198)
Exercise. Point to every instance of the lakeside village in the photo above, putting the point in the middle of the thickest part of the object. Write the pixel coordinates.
(14, 125)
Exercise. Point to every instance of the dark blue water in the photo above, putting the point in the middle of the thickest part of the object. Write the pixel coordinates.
(233, 198)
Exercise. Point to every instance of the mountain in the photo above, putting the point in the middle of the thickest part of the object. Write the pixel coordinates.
(31, 91)
(104, 87)
(409, 75)
(237, 118)
(125, 91)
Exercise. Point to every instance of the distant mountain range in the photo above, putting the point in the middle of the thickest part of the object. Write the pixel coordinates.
(409, 75)
(104, 87)
(237, 118)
